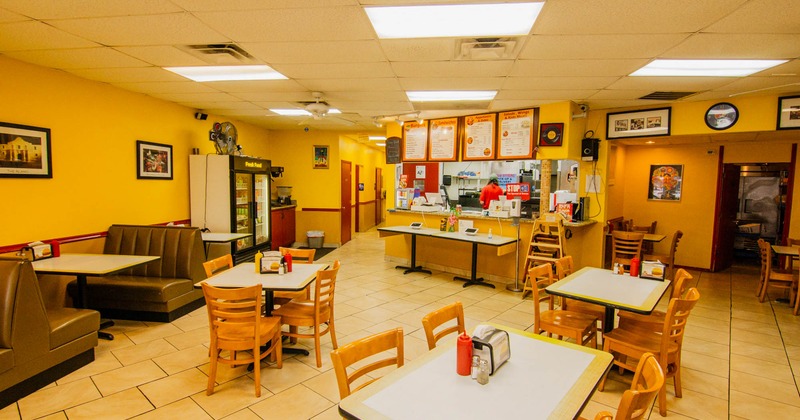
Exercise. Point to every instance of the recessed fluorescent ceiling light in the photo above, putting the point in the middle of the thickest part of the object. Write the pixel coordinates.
(219, 73)
(719, 68)
(453, 20)
(381, 144)
(294, 112)
(377, 137)
(450, 95)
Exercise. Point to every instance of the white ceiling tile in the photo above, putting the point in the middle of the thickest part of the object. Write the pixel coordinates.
(508, 104)
(334, 70)
(99, 58)
(49, 9)
(164, 29)
(332, 85)
(760, 16)
(128, 75)
(273, 98)
(575, 68)
(546, 47)
(221, 105)
(258, 86)
(365, 51)
(162, 56)
(551, 94)
(166, 87)
(544, 83)
(437, 49)
(631, 17)
(737, 46)
(761, 85)
(317, 24)
(619, 94)
(216, 5)
(32, 35)
(669, 84)
(472, 83)
(455, 69)
(7, 16)
(197, 97)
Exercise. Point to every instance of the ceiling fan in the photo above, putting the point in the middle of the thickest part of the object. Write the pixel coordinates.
(320, 109)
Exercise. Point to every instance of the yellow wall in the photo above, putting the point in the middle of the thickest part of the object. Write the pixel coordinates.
(368, 159)
(94, 128)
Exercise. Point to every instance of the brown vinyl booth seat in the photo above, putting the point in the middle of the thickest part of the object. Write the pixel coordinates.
(162, 290)
(38, 345)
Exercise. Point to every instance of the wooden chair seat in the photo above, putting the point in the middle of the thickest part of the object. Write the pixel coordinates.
(775, 277)
(655, 321)
(580, 327)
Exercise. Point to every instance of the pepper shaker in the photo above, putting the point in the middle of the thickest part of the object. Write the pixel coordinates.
(483, 372)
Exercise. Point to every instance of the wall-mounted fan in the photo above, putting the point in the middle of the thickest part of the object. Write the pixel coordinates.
(224, 137)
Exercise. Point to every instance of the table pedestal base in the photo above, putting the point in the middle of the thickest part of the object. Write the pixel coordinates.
(470, 282)
(105, 323)
(417, 269)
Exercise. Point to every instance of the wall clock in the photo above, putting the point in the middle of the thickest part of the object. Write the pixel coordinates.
(551, 134)
(722, 116)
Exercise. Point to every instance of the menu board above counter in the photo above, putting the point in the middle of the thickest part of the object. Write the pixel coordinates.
(415, 141)
(479, 132)
(516, 135)
(443, 140)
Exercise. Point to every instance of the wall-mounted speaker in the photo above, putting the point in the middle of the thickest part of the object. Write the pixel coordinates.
(589, 148)
(200, 116)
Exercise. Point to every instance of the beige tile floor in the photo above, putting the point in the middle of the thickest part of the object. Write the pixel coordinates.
(741, 358)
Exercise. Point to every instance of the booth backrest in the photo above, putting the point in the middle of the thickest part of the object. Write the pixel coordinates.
(180, 249)
(9, 277)
(24, 322)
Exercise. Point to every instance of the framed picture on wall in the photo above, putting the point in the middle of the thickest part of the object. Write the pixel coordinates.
(320, 157)
(666, 182)
(644, 123)
(153, 160)
(25, 151)
(789, 113)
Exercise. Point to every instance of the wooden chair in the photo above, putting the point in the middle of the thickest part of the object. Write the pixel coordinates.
(218, 264)
(313, 313)
(358, 350)
(237, 324)
(580, 327)
(625, 246)
(666, 344)
(299, 256)
(655, 321)
(647, 247)
(564, 267)
(775, 277)
(637, 401)
(453, 311)
(669, 259)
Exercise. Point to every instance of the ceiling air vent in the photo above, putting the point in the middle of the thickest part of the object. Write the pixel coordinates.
(220, 54)
(667, 96)
(487, 48)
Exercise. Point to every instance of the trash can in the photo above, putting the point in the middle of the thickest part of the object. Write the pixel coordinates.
(315, 238)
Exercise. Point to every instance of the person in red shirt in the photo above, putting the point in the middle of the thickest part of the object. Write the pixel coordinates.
(491, 191)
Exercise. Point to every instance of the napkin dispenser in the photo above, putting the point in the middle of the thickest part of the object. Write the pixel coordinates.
(653, 270)
(37, 251)
(271, 262)
(491, 344)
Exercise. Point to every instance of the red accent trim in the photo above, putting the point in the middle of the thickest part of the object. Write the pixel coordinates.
(787, 210)
(717, 206)
(320, 209)
(367, 202)
(77, 238)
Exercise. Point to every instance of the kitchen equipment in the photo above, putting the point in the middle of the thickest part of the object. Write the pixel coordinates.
(284, 194)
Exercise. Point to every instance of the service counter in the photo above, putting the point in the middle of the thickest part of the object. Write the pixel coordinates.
(585, 245)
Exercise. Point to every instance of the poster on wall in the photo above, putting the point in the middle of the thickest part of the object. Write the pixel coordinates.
(643, 123)
(25, 151)
(415, 141)
(478, 141)
(516, 134)
(666, 182)
(442, 140)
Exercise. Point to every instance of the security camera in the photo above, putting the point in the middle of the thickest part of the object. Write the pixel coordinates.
(583, 107)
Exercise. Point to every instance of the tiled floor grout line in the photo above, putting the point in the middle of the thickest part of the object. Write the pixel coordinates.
(785, 350)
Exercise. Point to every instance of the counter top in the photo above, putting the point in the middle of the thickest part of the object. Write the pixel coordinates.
(282, 206)
(473, 214)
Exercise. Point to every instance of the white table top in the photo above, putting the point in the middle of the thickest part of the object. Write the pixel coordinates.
(425, 231)
(601, 286)
(786, 250)
(244, 275)
(222, 236)
(89, 264)
(481, 238)
(544, 378)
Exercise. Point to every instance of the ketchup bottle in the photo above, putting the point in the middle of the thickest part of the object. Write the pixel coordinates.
(288, 258)
(464, 355)
(56, 248)
(635, 267)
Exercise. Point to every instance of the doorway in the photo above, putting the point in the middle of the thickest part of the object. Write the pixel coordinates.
(347, 205)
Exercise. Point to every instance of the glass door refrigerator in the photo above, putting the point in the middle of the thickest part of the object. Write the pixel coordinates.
(230, 194)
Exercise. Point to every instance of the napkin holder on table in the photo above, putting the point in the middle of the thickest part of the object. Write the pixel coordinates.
(491, 344)
(654, 270)
(271, 262)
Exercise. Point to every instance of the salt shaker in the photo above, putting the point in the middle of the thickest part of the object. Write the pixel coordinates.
(483, 372)
(475, 366)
